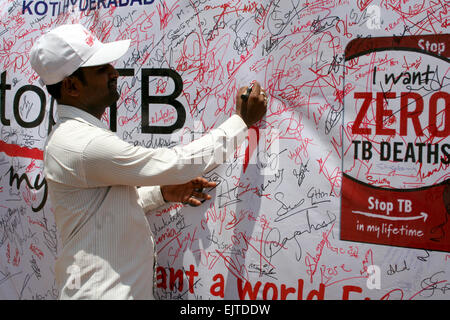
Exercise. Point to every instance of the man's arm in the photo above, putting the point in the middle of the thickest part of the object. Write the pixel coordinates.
(188, 193)
(110, 161)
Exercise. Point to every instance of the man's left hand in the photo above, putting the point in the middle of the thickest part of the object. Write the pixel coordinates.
(188, 193)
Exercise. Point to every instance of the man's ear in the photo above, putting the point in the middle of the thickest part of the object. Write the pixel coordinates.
(71, 87)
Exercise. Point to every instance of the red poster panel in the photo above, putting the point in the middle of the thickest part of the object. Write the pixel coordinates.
(396, 182)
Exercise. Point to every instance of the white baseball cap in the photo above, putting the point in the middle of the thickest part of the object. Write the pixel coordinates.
(61, 51)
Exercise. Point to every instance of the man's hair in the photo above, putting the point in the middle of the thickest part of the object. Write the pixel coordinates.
(55, 89)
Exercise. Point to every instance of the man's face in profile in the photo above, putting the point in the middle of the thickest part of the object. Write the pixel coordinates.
(100, 89)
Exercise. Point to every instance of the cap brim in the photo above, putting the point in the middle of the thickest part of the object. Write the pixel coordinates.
(108, 52)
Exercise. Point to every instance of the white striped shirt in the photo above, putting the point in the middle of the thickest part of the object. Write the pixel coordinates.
(107, 247)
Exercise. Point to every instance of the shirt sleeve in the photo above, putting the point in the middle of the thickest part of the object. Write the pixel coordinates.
(150, 197)
(108, 160)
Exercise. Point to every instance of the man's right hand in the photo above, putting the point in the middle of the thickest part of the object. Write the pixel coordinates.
(255, 107)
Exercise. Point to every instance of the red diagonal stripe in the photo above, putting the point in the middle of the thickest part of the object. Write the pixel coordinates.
(14, 150)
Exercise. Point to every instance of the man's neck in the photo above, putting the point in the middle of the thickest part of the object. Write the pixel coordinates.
(95, 112)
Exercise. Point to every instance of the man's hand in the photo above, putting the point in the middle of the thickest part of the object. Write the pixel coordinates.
(254, 108)
(188, 193)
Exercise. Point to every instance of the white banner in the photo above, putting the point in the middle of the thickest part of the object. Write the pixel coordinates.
(272, 229)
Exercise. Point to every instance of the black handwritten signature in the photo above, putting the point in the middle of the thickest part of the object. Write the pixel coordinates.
(300, 174)
(274, 244)
(434, 283)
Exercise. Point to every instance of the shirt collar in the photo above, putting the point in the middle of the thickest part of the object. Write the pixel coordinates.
(70, 112)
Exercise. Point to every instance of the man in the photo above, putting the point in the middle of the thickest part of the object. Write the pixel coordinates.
(93, 176)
